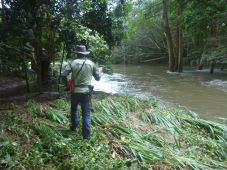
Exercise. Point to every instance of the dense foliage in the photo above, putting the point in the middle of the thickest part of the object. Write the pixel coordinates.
(144, 39)
(198, 27)
(43, 32)
(128, 133)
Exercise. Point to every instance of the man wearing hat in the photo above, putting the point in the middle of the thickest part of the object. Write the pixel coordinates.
(82, 70)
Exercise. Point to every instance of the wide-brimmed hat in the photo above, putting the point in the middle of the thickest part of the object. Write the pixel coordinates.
(81, 49)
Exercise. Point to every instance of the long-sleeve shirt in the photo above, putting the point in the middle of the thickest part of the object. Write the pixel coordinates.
(85, 75)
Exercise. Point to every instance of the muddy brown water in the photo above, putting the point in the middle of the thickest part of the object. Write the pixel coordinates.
(198, 91)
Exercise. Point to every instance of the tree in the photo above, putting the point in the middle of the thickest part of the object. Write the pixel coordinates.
(193, 30)
(97, 18)
(205, 23)
(143, 34)
(168, 35)
(45, 28)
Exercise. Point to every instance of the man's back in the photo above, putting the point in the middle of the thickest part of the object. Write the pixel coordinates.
(85, 75)
(82, 71)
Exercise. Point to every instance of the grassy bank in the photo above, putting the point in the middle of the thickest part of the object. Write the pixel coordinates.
(128, 133)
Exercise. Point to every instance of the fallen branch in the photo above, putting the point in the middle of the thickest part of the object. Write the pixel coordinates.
(154, 59)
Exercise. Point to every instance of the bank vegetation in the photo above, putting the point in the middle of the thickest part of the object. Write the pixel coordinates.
(128, 133)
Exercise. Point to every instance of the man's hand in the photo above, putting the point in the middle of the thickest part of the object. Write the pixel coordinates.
(100, 69)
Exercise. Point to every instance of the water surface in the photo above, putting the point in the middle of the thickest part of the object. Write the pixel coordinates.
(196, 90)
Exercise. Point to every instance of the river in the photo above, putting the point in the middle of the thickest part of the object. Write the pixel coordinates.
(197, 91)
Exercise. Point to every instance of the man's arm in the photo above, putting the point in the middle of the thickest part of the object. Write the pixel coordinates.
(97, 73)
(65, 73)
(67, 70)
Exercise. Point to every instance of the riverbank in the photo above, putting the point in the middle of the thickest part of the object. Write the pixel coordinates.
(128, 133)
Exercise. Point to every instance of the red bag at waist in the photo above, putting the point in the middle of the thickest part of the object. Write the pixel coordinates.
(71, 85)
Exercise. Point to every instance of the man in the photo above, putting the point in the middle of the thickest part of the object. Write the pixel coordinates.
(82, 71)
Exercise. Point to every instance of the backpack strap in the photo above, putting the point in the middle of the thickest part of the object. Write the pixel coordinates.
(80, 67)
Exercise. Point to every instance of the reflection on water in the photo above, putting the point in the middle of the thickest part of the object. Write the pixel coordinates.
(197, 90)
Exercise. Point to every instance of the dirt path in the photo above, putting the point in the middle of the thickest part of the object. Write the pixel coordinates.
(8, 82)
(10, 86)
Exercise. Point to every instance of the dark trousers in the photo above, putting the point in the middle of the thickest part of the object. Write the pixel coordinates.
(84, 100)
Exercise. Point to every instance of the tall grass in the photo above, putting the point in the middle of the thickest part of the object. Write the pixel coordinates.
(177, 142)
(128, 133)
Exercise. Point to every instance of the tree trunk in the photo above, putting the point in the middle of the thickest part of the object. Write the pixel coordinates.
(180, 53)
(38, 67)
(168, 36)
(45, 65)
(179, 44)
(201, 63)
(62, 59)
(24, 65)
(35, 36)
(41, 68)
(212, 68)
(39, 77)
